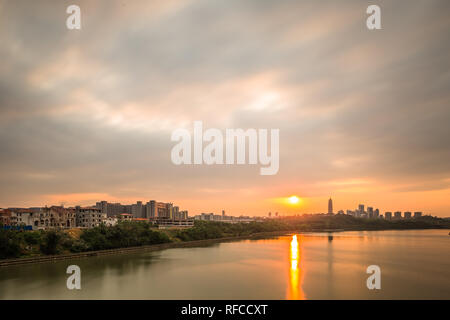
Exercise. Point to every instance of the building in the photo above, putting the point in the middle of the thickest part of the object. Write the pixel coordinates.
(24, 217)
(89, 217)
(361, 208)
(113, 209)
(137, 210)
(169, 207)
(388, 215)
(369, 212)
(206, 216)
(5, 217)
(407, 215)
(176, 213)
(124, 217)
(417, 214)
(376, 213)
(111, 221)
(397, 215)
(150, 209)
(184, 214)
(220, 218)
(56, 217)
(103, 206)
(164, 223)
(330, 206)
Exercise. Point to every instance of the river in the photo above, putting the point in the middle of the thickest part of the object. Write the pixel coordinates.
(413, 264)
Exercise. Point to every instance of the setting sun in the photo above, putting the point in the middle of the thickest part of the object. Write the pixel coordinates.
(294, 200)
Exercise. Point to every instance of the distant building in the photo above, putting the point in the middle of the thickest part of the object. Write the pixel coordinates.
(124, 217)
(176, 213)
(5, 217)
(407, 215)
(361, 209)
(111, 221)
(150, 209)
(24, 217)
(340, 212)
(184, 215)
(89, 217)
(164, 223)
(369, 212)
(388, 215)
(376, 213)
(137, 209)
(113, 209)
(397, 215)
(330, 206)
(417, 214)
(56, 217)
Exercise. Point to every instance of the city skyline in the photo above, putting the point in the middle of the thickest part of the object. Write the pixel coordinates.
(362, 114)
(141, 209)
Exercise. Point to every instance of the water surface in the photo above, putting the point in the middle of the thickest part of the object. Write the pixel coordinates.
(414, 265)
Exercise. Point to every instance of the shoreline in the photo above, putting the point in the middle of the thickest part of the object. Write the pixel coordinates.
(169, 245)
(152, 247)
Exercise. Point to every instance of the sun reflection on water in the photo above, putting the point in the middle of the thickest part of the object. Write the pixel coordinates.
(295, 272)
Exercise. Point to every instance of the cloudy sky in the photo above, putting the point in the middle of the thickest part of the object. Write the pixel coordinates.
(87, 115)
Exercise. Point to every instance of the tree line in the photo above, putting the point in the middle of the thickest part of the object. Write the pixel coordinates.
(20, 243)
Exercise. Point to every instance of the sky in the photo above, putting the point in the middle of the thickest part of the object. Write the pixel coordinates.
(87, 115)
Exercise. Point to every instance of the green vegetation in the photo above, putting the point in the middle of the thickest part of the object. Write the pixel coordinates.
(213, 230)
(306, 223)
(14, 244)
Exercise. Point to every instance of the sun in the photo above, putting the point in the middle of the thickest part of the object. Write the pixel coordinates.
(294, 200)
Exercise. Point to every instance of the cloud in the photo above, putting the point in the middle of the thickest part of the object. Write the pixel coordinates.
(91, 111)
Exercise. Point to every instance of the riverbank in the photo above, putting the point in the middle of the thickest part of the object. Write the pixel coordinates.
(168, 245)
(154, 247)
(19, 247)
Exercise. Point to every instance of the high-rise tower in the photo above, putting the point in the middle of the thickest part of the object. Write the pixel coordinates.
(330, 206)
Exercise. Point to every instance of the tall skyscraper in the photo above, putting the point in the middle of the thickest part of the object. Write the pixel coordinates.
(330, 206)
(370, 212)
(361, 208)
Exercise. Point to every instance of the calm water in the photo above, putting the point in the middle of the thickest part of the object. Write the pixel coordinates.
(414, 265)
